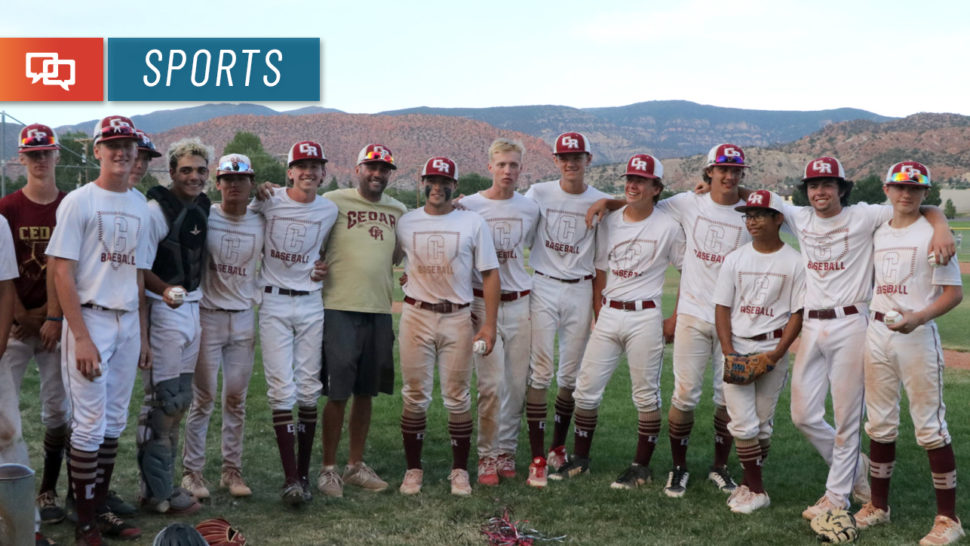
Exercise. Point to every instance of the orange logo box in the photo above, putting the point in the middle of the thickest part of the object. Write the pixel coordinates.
(52, 69)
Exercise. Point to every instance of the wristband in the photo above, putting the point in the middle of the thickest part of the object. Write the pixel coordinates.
(55, 319)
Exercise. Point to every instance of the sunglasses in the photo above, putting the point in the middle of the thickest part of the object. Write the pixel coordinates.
(912, 176)
(379, 155)
(235, 166)
(735, 159)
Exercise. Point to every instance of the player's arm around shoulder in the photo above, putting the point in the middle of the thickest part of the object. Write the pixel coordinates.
(943, 245)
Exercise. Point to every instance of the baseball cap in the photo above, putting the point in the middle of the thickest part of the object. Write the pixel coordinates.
(726, 154)
(644, 165)
(234, 164)
(114, 128)
(824, 167)
(440, 166)
(762, 200)
(911, 173)
(37, 137)
(571, 143)
(306, 149)
(376, 153)
(145, 144)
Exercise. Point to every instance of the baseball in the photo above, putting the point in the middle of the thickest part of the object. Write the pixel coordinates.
(892, 317)
(479, 347)
(177, 293)
(931, 258)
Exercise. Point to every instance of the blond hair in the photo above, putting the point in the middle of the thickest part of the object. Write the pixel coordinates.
(502, 144)
(189, 146)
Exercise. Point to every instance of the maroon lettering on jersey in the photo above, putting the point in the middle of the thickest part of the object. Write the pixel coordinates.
(31, 225)
(356, 217)
(757, 310)
(892, 289)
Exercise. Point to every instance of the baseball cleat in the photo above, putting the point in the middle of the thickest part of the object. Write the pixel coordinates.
(869, 515)
(120, 507)
(737, 494)
(88, 536)
(233, 481)
(677, 482)
(945, 531)
(750, 501)
(488, 471)
(50, 512)
(506, 465)
(111, 525)
(194, 483)
(413, 479)
(537, 473)
(861, 492)
(821, 506)
(459, 482)
(721, 478)
(292, 494)
(633, 477)
(364, 477)
(556, 457)
(307, 490)
(573, 467)
(330, 483)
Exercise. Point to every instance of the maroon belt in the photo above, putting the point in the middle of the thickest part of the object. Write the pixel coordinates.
(826, 314)
(775, 334)
(881, 317)
(629, 305)
(567, 281)
(442, 307)
(285, 291)
(506, 296)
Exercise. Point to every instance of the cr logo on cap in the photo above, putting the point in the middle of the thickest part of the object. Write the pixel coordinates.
(731, 152)
(309, 149)
(441, 165)
(821, 166)
(117, 123)
(638, 164)
(570, 142)
(756, 199)
(36, 134)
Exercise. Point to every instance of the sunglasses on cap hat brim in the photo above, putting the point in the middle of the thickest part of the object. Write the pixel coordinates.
(377, 156)
(911, 178)
(729, 161)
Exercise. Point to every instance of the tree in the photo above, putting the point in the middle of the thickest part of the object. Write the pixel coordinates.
(333, 185)
(267, 167)
(472, 183)
(933, 196)
(77, 165)
(949, 209)
(408, 197)
(868, 190)
(799, 198)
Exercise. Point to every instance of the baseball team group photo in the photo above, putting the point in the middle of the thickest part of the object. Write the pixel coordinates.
(223, 360)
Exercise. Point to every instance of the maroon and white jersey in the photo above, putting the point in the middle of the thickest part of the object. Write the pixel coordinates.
(635, 255)
(295, 235)
(712, 231)
(837, 252)
(8, 259)
(904, 278)
(31, 225)
(442, 251)
(762, 290)
(105, 233)
(512, 223)
(230, 280)
(563, 246)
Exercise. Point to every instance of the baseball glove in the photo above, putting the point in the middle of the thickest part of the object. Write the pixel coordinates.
(835, 526)
(219, 532)
(742, 369)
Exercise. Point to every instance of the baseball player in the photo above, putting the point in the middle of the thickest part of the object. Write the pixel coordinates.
(836, 246)
(758, 299)
(176, 239)
(291, 316)
(230, 294)
(903, 348)
(503, 374)
(443, 247)
(634, 247)
(562, 296)
(358, 337)
(100, 252)
(146, 153)
(37, 317)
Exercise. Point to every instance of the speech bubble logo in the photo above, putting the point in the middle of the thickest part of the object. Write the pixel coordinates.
(51, 70)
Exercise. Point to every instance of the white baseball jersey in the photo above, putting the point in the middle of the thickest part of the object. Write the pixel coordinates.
(837, 252)
(158, 229)
(295, 234)
(8, 259)
(104, 232)
(512, 223)
(712, 232)
(762, 290)
(904, 279)
(234, 245)
(636, 254)
(563, 245)
(442, 250)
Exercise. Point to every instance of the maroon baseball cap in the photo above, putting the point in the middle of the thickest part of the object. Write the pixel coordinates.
(910, 173)
(440, 166)
(571, 143)
(376, 153)
(824, 167)
(762, 200)
(730, 155)
(306, 149)
(145, 144)
(37, 137)
(114, 128)
(644, 165)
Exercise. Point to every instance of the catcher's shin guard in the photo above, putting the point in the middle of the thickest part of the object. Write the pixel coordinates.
(154, 437)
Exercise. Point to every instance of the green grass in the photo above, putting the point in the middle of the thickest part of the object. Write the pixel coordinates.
(585, 509)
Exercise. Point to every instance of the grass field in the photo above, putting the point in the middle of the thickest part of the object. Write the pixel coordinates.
(585, 509)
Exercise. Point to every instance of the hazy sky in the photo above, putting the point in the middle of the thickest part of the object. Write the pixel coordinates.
(882, 56)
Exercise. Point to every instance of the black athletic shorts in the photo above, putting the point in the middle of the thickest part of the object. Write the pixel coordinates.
(358, 354)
